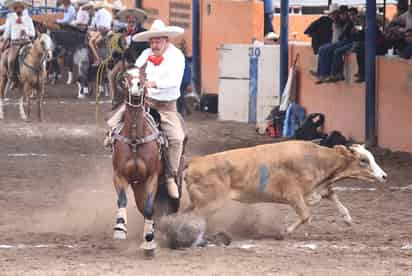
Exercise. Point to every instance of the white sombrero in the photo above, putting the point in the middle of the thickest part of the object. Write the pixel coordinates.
(80, 2)
(139, 14)
(12, 3)
(102, 4)
(158, 29)
(117, 5)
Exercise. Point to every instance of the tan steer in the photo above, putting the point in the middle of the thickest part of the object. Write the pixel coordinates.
(296, 173)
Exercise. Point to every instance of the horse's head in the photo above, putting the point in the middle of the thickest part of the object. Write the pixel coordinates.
(46, 46)
(134, 87)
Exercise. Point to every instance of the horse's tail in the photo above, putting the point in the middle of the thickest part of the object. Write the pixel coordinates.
(135, 167)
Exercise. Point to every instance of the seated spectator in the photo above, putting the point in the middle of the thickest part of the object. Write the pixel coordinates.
(407, 51)
(405, 20)
(359, 49)
(321, 29)
(268, 17)
(344, 27)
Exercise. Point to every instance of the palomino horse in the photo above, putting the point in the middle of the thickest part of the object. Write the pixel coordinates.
(32, 74)
(137, 161)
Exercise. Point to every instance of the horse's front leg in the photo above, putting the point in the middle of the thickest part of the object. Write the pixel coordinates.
(120, 230)
(25, 97)
(40, 95)
(145, 196)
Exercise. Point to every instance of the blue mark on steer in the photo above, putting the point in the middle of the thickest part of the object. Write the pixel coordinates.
(263, 177)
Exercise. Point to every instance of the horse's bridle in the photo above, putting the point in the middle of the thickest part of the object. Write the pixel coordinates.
(154, 136)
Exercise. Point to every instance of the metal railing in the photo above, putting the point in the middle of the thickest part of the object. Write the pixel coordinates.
(33, 11)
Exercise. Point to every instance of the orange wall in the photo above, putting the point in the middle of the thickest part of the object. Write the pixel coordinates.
(173, 12)
(227, 22)
(297, 24)
(342, 103)
(394, 85)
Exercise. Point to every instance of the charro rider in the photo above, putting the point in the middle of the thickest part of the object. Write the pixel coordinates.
(163, 66)
(100, 27)
(134, 19)
(19, 31)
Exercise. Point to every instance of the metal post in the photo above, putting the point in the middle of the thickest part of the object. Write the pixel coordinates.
(370, 71)
(196, 44)
(329, 3)
(284, 51)
(384, 15)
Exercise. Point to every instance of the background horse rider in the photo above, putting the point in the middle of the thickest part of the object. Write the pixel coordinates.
(19, 31)
(69, 13)
(134, 19)
(100, 26)
(118, 25)
(83, 14)
(162, 67)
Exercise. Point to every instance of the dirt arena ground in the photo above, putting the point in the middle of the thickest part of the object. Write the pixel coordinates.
(57, 208)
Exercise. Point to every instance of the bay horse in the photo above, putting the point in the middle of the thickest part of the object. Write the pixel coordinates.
(137, 161)
(32, 75)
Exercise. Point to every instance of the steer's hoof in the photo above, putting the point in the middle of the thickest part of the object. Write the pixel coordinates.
(119, 235)
(348, 220)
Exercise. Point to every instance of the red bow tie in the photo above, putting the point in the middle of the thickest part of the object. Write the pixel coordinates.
(156, 60)
(19, 20)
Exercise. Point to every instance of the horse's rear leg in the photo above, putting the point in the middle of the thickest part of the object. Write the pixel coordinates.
(120, 230)
(145, 196)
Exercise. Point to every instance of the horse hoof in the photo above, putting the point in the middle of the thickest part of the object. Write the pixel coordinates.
(119, 235)
(149, 246)
(149, 253)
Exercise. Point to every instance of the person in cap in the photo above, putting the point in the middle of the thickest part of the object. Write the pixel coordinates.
(134, 19)
(19, 31)
(69, 13)
(100, 27)
(162, 67)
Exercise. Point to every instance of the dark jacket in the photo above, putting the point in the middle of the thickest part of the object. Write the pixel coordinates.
(135, 49)
(320, 31)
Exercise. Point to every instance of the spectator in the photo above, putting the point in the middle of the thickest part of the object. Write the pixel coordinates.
(359, 49)
(349, 36)
(407, 51)
(185, 86)
(321, 30)
(344, 27)
(268, 10)
(405, 20)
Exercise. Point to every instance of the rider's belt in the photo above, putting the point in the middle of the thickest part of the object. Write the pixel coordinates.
(163, 105)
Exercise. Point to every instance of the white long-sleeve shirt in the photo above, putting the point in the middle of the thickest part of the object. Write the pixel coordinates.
(82, 18)
(167, 75)
(13, 29)
(102, 19)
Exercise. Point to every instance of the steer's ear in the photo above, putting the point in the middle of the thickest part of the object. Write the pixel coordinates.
(343, 150)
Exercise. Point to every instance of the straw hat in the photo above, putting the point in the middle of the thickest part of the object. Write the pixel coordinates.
(117, 5)
(102, 4)
(139, 14)
(11, 4)
(158, 29)
(334, 7)
(79, 2)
